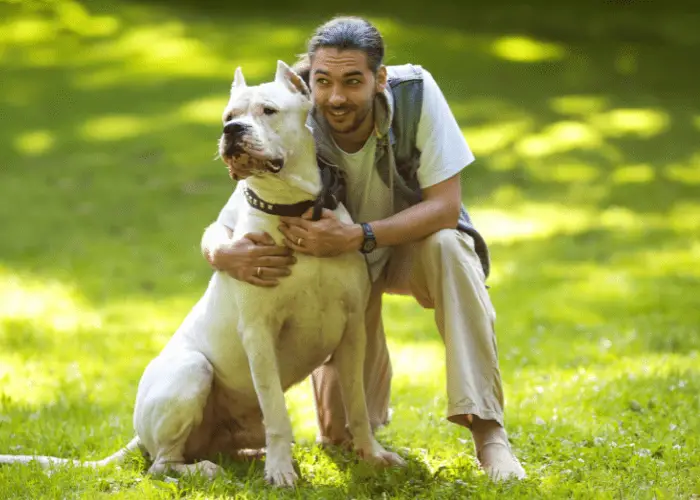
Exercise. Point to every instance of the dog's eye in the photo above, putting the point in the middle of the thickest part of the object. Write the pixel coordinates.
(269, 111)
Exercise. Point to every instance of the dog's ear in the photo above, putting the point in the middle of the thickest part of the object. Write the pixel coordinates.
(238, 80)
(288, 77)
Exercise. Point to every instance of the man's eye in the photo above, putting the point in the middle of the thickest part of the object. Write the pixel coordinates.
(322, 81)
(353, 81)
(269, 111)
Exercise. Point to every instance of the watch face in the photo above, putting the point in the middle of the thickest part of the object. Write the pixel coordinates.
(369, 245)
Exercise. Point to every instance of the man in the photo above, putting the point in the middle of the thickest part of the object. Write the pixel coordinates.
(392, 135)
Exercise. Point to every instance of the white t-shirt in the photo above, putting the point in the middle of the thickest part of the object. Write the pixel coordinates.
(444, 153)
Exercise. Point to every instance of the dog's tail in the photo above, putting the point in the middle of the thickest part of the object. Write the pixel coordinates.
(48, 462)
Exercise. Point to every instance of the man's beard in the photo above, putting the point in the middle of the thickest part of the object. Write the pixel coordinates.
(360, 115)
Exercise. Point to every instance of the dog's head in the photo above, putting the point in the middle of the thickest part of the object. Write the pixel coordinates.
(265, 122)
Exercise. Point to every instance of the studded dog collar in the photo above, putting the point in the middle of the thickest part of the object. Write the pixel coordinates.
(332, 193)
(291, 210)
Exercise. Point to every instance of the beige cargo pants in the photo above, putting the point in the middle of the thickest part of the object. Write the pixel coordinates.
(442, 272)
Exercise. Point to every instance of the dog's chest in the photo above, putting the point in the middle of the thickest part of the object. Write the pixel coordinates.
(311, 308)
(317, 287)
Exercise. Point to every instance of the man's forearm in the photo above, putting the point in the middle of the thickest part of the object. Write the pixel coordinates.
(214, 236)
(411, 224)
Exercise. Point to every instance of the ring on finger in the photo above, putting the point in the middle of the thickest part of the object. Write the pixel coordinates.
(258, 272)
(299, 241)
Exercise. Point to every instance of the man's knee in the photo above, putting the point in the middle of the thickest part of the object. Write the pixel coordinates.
(444, 241)
(450, 245)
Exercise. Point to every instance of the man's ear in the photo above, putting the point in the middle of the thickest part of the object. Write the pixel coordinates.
(381, 79)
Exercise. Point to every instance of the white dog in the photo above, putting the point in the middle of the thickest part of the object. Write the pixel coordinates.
(225, 370)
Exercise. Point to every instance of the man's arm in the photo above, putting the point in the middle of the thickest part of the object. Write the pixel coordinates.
(254, 258)
(219, 233)
(439, 209)
(215, 236)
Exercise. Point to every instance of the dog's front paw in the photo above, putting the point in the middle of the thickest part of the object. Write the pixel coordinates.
(377, 455)
(281, 474)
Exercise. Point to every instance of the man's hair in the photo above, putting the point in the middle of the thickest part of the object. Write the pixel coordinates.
(344, 33)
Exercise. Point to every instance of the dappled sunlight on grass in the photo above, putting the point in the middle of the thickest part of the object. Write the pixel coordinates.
(688, 173)
(35, 143)
(520, 219)
(62, 309)
(526, 49)
(516, 140)
(113, 127)
(567, 396)
(670, 261)
(136, 45)
(579, 105)
(642, 123)
(300, 402)
(582, 389)
(205, 110)
(597, 157)
(585, 186)
(633, 173)
(51, 303)
(34, 27)
(154, 52)
(489, 138)
(557, 138)
(531, 220)
(53, 342)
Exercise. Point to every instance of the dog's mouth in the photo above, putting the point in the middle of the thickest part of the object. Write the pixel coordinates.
(243, 164)
(275, 165)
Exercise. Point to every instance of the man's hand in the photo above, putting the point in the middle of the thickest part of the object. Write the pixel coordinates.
(254, 258)
(326, 237)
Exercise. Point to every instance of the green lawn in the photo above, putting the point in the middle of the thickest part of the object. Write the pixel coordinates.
(586, 124)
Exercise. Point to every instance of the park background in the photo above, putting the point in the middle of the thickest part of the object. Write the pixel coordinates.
(585, 121)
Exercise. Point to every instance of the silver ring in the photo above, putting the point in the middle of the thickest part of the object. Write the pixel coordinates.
(299, 241)
(258, 272)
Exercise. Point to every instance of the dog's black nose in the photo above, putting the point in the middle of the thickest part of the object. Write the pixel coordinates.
(234, 128)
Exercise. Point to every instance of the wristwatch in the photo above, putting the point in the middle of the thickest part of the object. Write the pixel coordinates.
(370, 242)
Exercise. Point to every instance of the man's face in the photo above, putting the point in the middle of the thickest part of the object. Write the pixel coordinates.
(343, 88)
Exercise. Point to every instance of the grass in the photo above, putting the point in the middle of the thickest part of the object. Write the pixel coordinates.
(586, 124)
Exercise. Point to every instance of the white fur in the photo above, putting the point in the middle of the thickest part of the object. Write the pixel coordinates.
(225, 370)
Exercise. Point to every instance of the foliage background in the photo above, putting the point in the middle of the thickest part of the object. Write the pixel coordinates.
(585, 120)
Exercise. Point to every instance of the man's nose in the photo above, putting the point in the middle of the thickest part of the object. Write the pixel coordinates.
(234, 128)
(337, 98)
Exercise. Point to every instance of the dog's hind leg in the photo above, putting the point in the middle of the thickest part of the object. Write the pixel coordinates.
(170, 403)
